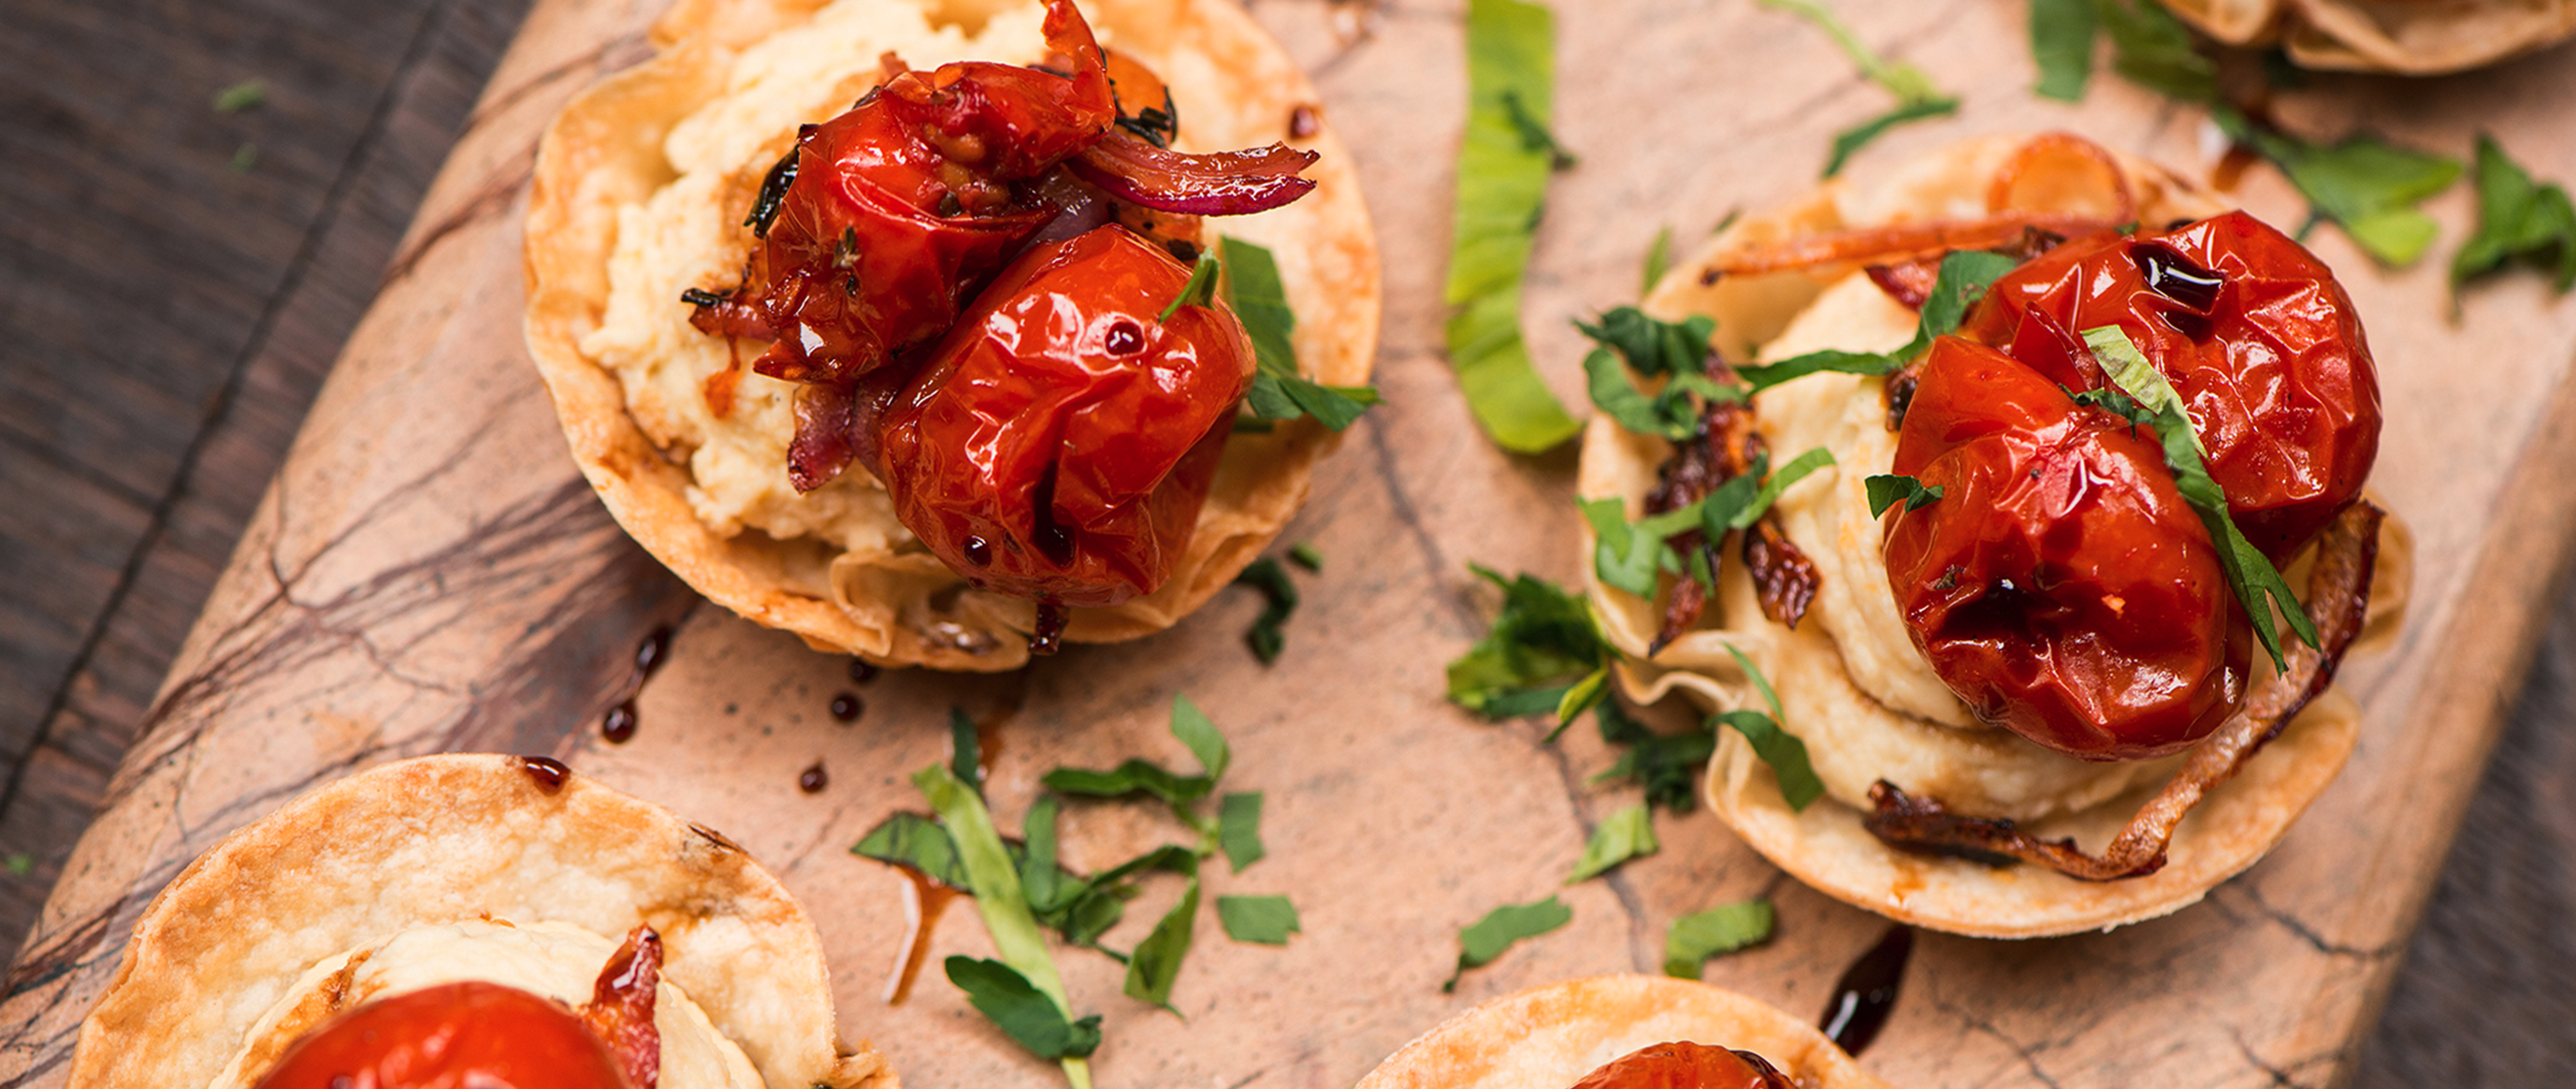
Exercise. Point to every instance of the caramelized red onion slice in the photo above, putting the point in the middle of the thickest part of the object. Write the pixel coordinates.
(826, 418)
(2338, 599)
(621, 1007)
(1902, 242)
(1222, 183)
(1784, 579)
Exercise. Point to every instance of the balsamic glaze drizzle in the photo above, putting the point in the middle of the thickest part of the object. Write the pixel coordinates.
(1866, 993)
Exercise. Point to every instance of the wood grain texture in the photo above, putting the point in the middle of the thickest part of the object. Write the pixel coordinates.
(428, 573)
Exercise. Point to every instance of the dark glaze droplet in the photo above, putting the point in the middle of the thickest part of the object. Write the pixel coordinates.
(1303, 122)
(978, 551)
(618, 726)
(549, 773)
(2174, 276)
(650, 653)
(861, 672)
(1124, 338)
(1049, 636)
(812, 780)
(1866, 993)
(846, 707)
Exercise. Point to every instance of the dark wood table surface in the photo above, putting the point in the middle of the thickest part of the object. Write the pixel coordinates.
(176, 279)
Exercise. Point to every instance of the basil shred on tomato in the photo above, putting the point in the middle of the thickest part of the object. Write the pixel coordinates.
(907, 251)
(2061, 587)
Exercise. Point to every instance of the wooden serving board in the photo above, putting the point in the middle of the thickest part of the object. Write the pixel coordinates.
(429, 573)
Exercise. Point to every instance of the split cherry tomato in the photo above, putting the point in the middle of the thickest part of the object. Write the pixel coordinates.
(1686, 1065)
(453, 1036)
(2060, 585)
(1060, 441)
(2252, 331)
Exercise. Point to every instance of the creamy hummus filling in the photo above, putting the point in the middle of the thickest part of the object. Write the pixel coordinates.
(557, 960)
(688, 234)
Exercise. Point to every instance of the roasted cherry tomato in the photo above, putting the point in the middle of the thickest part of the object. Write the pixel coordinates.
(901, 209)
(2252, 331)
(452, 1036)
(1060, 441)
(1686, 1065)
(2059, 585)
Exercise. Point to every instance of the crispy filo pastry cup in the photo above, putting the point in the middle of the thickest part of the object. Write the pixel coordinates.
(1845, 697)
(2404, 37)
(891, 601)
(441, 840)
(1550, 1037)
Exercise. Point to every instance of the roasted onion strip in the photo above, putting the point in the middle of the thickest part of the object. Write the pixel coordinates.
(621, 1007)
(1221, 183)
(2338, 599)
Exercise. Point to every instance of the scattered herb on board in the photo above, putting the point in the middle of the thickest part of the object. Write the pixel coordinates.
(1916, 97)
(1261, 920)
(2061, 44)
(244, 158)
(1889, 489)
(1771, 741)
(2365, 185)
(249, 94)
(1666, 765)
(2148, 45)
(1542, 649)
(995, 883)
(1238, 829)
(1723, 929)
(2153, 401)
(19, 864)
(1305, 554)
(1502, 184)
(1279, 390)
(1626, 834)
(1502, 928)
(1659, 260)
(1963, 278)
(1268, 636)
(1628, 554)
(965, 750)
(2517, 219)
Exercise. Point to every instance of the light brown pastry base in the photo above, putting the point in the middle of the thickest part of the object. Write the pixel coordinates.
(2405, 37)
(605, 150)
(442, 838)
(1550, 1037)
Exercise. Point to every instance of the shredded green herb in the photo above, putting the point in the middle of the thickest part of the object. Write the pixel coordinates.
(1888, 489)
(1199, 290)
(1541, 643)
(249, 94)
(1771, 741)
(244, 158)
(1666, 765)
(1962, 279)
(1268, 635)
(2061, 43)
(1279, 390)
(1659, 260)
(2249, 573)
(1626, 834)
(1502, 928)
(2517, 219)
(965, 750)
(1238, 829)
(1156, 962)
(1306, 555)
(1502, 184)
(1722, 929)
(995, 883)
(1028, 1016)
(2366, 186)
(2153, 49)
(1916, 97)
(1261, 920)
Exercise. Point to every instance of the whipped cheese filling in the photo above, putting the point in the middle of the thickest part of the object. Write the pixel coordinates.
(556, 960)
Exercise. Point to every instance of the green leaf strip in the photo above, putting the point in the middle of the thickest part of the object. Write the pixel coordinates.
(1628, 833)
(1502, 928)
(1722, 929)
(1261, 920)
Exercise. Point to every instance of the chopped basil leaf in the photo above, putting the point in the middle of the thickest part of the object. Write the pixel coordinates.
(1888, 489)
(2516, 218)
(1628, 833)
(2249, 573)
(1238, 829)
(1306, 555)
(1500, 929)
(1761, 683)
(1672, 416)
(1261, 920)
(2061, 41)
(1651, 346)
(1543, 639)
(1502, 182)
(2155, 50)
(1266, 638)
(1722, 929)
(1191, 725)
(1130, 778)
(1623, 556)
(1659, 260)
(1578, 696)
(1002, 994)
(965, 752)
(1048, 887)
(2366, 186)
(1279, 392)
(1779, 481)
(244, 158)
(1156, 961)
(1534, 134)
(910, 839)
(1852, 139)
(1666, 765)
(1916, 97)
(1963, 278)
(248, 94)
(995, 883)
(1782, 750)
(1198, 290)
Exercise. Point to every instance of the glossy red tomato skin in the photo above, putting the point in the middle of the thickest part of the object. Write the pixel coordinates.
(2275, 368)
(2060, 585)
(1062, 377)
(1682, 1065)
(469, 1035)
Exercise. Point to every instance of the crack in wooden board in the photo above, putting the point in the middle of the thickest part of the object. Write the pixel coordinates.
(411, 584)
